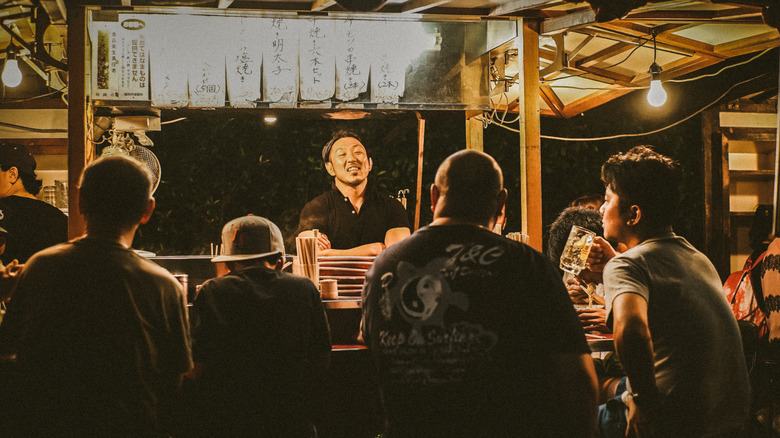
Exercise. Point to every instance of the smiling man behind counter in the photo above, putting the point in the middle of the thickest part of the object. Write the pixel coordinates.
(352, 218)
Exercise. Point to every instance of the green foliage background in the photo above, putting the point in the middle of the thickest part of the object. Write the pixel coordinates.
(218, 165)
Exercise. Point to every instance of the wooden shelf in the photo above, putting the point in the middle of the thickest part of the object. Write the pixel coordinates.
(751, 175)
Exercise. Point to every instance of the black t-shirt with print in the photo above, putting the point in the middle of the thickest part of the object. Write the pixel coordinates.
(32, 225)
(462, 324)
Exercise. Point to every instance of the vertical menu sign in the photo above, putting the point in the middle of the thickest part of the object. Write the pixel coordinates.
(353, 60)
(280, 62)
(105, 63)
(134, 58)
(317, 59)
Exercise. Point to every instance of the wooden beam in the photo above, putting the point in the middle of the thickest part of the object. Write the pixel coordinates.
(79, 109)
(320, 5)
(606, 53)
(551, 99)
(716, 194)
(517, 5)
(474, 133)
(568, 22)
(419, 6)
(42, 146)
(747, 120)
(529, 133)
(420, 149)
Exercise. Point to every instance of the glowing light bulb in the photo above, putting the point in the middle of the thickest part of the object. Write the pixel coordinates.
(656, 96)
(12, 76)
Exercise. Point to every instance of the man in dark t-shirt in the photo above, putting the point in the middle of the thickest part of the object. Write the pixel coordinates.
(352, 218)
(474, 334)
(32, 224)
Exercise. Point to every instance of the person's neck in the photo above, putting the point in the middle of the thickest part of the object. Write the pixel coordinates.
(640, 235)
(20, 192)
(121, 237)
(458, 221)
(355, 193)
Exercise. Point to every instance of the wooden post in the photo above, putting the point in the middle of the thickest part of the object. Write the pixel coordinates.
(420, 148)
(474, 131)
(776, 222)
(716, 193)
(79, 115)
(527, 44)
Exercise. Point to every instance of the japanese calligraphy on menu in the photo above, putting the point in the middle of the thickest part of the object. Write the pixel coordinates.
(317, 59)
(280, 62)
(105, 74)
(387, 70)
(353, 58)
(207, 66)
(133, 58)
(243, 61)
(168, 60)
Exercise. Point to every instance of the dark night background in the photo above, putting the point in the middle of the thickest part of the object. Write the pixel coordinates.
(218, 165)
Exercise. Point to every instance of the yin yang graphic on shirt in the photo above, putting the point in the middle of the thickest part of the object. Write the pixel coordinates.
(422, 295)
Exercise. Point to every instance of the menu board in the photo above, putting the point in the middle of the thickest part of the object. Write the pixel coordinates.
(105, 61)
(317, 59)
(244, 60)
(353, 58)
(280, 66)
(207, 65)
(169, 61)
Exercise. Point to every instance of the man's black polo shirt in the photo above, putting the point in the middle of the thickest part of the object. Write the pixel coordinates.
(333, 214)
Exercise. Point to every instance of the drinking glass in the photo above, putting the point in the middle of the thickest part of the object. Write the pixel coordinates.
(575, 254)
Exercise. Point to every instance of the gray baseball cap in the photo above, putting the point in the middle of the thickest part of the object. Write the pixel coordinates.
(249, 237)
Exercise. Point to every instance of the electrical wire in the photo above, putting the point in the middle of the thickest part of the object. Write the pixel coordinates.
(723, 69)
(37, 97)
(612, 137)
(31, 129)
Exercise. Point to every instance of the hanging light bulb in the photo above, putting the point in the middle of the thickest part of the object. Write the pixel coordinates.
(11, 76)
(656, 96)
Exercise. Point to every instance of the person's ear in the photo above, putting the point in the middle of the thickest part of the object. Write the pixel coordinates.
(13, 174)
(501, 207)
(370, 164)
(634, 215)
(329, 168)
(434, 197)
(148, 212)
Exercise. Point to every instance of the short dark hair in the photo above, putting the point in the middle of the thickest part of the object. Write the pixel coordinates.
(584, 217)
(114, 192)
(338, 135)
(647, 179)
(761, 227)
(584, 200)
(470, 181)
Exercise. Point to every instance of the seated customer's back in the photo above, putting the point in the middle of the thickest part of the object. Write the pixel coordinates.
(474, 334)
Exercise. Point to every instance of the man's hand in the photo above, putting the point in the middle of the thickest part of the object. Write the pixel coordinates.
(323, 242)
(593, 319)
(600, 253)
(9, 274)
(640, 419)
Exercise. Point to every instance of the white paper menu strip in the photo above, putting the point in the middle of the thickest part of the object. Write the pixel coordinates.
(317, 59)
(134, 57)
(280, 62)
(353, 58)
(388, 71)
(168, 60)
(207, 64)
(244, 59)
(105, 62)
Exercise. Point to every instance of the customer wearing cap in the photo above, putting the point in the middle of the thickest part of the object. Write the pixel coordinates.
(352, 218)
(260, 339)
(31, 223)
(101, 335)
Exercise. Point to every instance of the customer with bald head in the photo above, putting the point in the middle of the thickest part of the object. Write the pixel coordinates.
(474, 334)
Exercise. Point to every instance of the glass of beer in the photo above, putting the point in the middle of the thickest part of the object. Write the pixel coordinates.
(575, 254)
